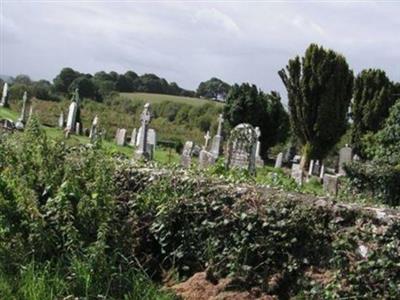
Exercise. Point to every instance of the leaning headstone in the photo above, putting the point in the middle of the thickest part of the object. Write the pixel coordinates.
(322, 172)
(145, 118)
(133, 138)
(4, 97)
(121, 137)
(61, 120)
(345, 156)
(216, 142)
(186, 157)
(241, 148)
(330, 184)
(71, 120)
(297, 174)
(278, 161)
(259, 160)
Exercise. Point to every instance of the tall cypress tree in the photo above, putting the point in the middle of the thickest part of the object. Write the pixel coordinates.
(319, 87)
(372, 100)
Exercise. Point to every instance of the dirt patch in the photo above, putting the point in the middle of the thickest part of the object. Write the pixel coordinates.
(199, 288)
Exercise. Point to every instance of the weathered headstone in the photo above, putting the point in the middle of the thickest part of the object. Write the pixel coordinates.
(216, 142)
(241, 148)
(297, 174)
(345, 156)
(7, 125)
(93, 129)
(133, 137)
(278, 161)
(145, 118)
(121, 137)
(330, 184)
(186, 157)
(206, 159)
(310, 169)
(259, 160)
(4, 97)
(24, 112)
(61, 120)
(322, 172)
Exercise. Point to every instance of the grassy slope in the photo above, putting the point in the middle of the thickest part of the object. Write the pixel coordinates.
(161, 155)
(157, 98)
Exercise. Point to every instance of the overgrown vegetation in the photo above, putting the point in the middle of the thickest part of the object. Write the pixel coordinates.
(83, 222)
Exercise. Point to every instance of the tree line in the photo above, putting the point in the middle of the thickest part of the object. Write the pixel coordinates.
(102, 84)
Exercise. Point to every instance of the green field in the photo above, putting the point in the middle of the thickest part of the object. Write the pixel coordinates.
(158, 98)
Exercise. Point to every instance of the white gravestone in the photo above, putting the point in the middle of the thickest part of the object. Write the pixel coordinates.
(71, 120)
(121, 137)
(145, 118)
(61, 120)
(186, 157)
(297, 174)
(259, 160)
(133, 137)
(4, 97)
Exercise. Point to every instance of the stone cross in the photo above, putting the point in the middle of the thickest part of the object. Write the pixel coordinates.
(207, 137)
(145, 118)
(259, 160)
(4, 98)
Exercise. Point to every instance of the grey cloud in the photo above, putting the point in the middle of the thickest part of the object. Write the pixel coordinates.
(188, 42)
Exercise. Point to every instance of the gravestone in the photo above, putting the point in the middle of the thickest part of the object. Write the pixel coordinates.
(278, 161)
(22, 120)
(259, 160)
(7, 125)
(145, 118)
(93, 129)
(78, 128)
(206, 159)
(311, 167)
(216, 142)
(345, 156)
(330, 184)
(121, 137)
(186, 157)
(322, 173)
(73, 112)
(297, 173)
(4, 97)
(61, 120)
(241, 148)
(133, 137)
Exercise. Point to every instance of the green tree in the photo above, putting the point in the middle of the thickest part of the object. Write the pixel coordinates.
(63, 80)
(246, 104)
(213, 88)
(124, 84)
(319, 87)
(42, 90)
(23, 79)
(372, 100)
(86, 86)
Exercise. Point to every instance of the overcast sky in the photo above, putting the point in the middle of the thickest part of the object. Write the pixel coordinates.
(191, 41)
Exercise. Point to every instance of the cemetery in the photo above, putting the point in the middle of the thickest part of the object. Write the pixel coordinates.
(119, 185)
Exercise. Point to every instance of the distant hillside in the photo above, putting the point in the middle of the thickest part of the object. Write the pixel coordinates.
(6, 78)
(158, 98)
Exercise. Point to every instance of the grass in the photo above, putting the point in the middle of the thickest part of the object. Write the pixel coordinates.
(157, 98)
(161, 155)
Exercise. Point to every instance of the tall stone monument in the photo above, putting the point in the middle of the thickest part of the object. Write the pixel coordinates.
(259, 160)
(216, 142)
(22, 120)
(4, 97)
(73, 112)
(145, 117)
(93, 128)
